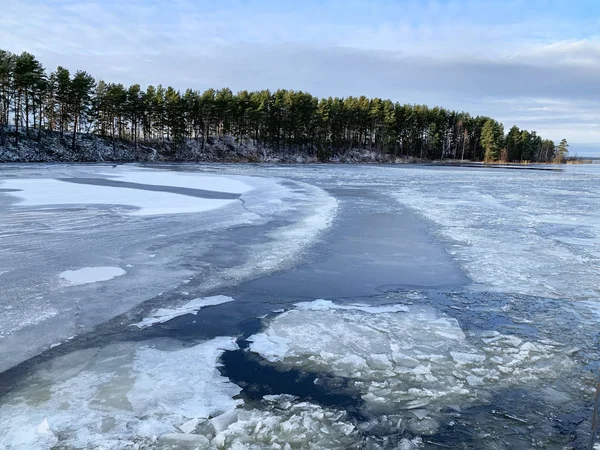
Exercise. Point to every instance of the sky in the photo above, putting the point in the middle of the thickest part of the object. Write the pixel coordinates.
(530, 63)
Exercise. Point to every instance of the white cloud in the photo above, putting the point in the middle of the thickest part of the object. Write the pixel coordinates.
(464, 55)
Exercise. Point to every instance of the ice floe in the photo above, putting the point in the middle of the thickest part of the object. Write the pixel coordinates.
(159, 395)
(163, 315)
(408, 360)
(120, 396)
(88, 275)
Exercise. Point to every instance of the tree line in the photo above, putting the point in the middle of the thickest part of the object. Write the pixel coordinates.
(31, 100)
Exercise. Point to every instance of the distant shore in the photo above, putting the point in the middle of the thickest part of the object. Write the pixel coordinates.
(49, 147)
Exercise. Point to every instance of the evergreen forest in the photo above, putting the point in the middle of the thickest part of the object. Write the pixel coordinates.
(71, 106)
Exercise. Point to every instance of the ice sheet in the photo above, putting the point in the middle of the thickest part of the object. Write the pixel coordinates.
(525, 232)
(15, 320)
(193, 180)
(47, 240)
(88, 275)
(163, 315)
(49, 192)
(315, 210)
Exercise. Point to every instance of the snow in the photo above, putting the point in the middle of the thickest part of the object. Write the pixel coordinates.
(118, 395)
(48, 192)
(193, 180)
(88, 275)
(401, 358)
(163, 315)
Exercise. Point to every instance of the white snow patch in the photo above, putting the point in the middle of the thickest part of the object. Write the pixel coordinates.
(192, 180)
(49, 192)
(163, 315)
(87, 275)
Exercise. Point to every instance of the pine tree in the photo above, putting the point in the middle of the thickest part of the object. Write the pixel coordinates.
(7, 62)
(561, 151)
(63, 98)
(492, 136)
(282, 121)
(80, 99)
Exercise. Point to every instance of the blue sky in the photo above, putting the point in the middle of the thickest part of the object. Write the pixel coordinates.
(533, 63)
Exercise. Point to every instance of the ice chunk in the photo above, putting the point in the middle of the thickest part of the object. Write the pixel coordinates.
(189, 426)
(123, 394)
(163, 315)
(326, 305)
(272, 347)
(467, 358)
(291, 427)
(222, 421)
(474, 381)
(402, 358)
(88, 275)
(182, 442)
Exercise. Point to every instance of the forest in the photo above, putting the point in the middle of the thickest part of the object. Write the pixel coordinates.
(179, 124)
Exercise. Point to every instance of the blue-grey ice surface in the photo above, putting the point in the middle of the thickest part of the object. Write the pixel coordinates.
(472, 327)
(77, 255)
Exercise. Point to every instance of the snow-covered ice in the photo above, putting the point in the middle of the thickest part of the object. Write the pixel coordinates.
(88, 275)
(163, 315)
(49, 192)
(55, 228)
(193, 180)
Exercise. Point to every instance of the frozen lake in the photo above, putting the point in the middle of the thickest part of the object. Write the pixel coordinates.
(257, 306)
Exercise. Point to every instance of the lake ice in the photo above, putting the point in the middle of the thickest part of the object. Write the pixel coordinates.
(148, 291)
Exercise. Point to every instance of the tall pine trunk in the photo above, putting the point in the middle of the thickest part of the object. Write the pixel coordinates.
(17, 119)
(74, 131)
(40, 117)
(26, 112)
